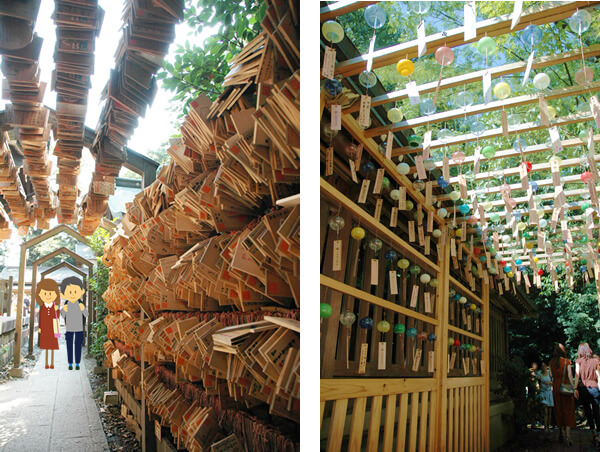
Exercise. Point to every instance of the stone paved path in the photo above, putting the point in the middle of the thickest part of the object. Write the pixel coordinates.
(52, 410)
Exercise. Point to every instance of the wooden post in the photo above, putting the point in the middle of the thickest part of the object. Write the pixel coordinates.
(16, 371)
(32, 303)
(441, 353)
(485, 296)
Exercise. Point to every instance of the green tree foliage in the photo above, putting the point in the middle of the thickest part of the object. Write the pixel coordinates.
(201, 68)
(569, 316)
(48, 246)
(98, 285)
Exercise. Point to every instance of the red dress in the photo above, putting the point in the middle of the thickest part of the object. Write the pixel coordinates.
(564, 405)
(47, 339)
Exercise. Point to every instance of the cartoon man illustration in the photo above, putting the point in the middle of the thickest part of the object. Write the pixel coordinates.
(72, 291)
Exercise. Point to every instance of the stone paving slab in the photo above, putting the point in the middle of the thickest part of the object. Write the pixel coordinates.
(52, 410)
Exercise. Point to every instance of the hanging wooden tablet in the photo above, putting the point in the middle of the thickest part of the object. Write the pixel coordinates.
(427, 300)
(359, 152)
(417, 359)
(462, 186)
(378, 206)
(431, 362)
(504, 123)
(544, 119)
(364, 191)
(420, 167)
(381, 355)
(353, 171)
(595, 106)
(426, 144)
(388, 145)
(336, 117)
(413, 93)
(476, 161)
(523, 175)
(394, 217)
(430, 217)
(414, 296)
(555, 137)
(378, 181)
(374, 272)
(446, 168)
(329, 63)
(401, 198)
(470, 21)
(362, 362)
(427, 250)
(411, 231)
(365, 111)
(452, 359)
(393, 278)
(337, 256)
(428, 194)
(329, 161)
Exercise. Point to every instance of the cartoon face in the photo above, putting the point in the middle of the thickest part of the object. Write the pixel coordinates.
(73, 293)
(47, 296)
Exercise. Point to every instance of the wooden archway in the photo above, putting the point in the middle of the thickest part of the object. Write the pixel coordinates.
(17, 371)
(46, 258)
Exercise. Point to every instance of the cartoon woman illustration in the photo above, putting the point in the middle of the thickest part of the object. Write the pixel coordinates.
(47, 296)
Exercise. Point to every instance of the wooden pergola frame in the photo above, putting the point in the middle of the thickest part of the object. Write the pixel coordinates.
(17, 371)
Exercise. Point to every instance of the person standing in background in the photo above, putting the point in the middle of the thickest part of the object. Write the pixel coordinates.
(564, 404)
(586, 387)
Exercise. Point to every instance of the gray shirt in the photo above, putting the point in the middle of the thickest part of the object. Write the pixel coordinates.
(74, 316)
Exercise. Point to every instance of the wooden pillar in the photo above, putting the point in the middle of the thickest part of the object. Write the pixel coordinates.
(485, 296)
(32, 303)
(16, 371)
(441, 354)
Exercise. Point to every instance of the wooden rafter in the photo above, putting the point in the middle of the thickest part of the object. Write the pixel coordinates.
(340, 8)
(525, 99)
(539, 14)
(475, 77)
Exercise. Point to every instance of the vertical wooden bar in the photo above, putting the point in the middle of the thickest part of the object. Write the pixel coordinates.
(433, 425)
(357, 426)
(374, 424)
(423, 421)
(449, 417)
(414, 417)
(461, 418)
(402, 417)
(322, 413)
(485, 412)
(441, 351)
(390, 418)
(16, 371)
(336, 428)
(32, 304)
(456, 417)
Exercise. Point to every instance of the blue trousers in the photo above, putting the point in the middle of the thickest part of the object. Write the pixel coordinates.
(78, 341)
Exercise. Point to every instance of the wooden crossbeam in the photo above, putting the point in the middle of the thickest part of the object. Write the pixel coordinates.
(539, 14)
(515, 187)
(495, 133)
(547, 210)
(536, 167)
(510, 153)
(525, 99)
(340, 8)
(475, 77)
(524, 199)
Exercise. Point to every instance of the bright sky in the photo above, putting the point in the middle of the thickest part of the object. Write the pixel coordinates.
(152, 130)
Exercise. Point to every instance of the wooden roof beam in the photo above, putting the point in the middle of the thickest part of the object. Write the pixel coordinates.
(539, 14)
(475, 77)
(510, 153)
(340, 8)
(525, 99)
(495, 133)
